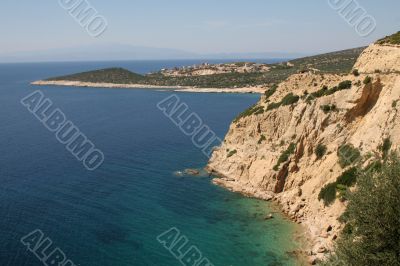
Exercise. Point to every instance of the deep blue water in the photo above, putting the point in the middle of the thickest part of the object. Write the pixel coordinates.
(113, 215)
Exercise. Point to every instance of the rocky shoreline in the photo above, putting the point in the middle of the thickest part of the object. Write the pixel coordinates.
(68, 83)
(312, 251)
(287, 148)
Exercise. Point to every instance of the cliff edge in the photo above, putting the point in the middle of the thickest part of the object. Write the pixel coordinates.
(290, 145)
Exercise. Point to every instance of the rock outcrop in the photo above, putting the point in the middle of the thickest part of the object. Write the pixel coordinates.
(379, 58)
(362, 115)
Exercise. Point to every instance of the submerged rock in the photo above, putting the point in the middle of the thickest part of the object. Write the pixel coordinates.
(269, 217)
(193, 172)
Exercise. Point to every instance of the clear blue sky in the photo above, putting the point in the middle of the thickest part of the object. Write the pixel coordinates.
(205, 26)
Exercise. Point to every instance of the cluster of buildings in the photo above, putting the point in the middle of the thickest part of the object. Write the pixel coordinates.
(213, 69)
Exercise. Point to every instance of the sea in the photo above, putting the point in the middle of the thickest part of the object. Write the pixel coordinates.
(134, 209)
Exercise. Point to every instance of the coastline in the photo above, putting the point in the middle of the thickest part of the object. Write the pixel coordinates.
(305, 236)
(67, 83)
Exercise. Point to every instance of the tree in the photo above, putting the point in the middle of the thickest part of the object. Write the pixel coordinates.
(372, 220)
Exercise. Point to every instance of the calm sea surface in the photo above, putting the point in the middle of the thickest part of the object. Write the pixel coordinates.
(112, 216)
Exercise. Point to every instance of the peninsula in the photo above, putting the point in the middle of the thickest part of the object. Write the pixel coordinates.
(243, 77)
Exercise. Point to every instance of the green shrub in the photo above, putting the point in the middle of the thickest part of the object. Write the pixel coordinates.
(289, 99)
(367, 80)
(259, 110)
(371, 235)
(285, 156)
(325, 91)
(345, 85)
(273, 106)
(255, 109)
(394, 104)
(328, 108)
(348, 155)
(262, 139)
(320, 151)
(356, 73)
(385, 147)
(270, 92)
(231, 153)
(318, 94)
(392, 39)
(328, 194)
(340, 187)
(374, 167)
(348, 178)
(343, 192)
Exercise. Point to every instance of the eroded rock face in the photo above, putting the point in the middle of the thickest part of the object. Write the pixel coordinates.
(363, 116)
(368, 100)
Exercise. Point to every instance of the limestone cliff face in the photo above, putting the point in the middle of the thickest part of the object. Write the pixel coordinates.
(363, 116)
(383, 58)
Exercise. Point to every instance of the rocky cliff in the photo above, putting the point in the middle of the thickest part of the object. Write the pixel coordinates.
(287, 147)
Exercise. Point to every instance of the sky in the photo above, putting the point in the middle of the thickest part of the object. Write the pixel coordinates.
(204, 27)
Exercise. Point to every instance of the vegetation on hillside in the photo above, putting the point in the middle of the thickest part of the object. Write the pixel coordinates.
(270, 92)
(253, 110)
(371, 235)
(337, 62)
(325, 91)
(320, 151)
(348, 155)
(109, 75)
(392, 39)
(289, 99)
(285, 156)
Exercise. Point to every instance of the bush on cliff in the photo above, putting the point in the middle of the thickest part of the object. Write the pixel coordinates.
(348, 178)
(348, 155)
(285, 156)
(367, 80)
(231, 153)
(328, 194)
(392, 39)
(253, 110)
(289, 99)
(328, 108)
(372, 219)
(320, 151)
(270, 92)
(385, 147)
(345, 85)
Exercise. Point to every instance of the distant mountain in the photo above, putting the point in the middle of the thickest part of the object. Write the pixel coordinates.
(127, 52)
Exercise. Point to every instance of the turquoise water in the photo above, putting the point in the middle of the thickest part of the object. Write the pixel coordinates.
(112, 216)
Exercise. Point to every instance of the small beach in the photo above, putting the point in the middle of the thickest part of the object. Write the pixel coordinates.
(67, 83)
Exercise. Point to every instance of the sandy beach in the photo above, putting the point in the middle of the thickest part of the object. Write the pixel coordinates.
(145, 86)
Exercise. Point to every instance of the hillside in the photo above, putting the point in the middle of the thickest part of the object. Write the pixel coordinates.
(390, 40)
(239, 75)
(300, 143)
(110, 75)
